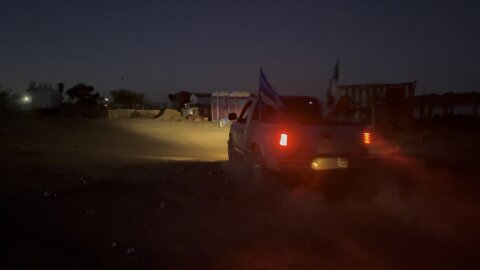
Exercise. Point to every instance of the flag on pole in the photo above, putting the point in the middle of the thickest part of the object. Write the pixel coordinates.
(267, 94)
(332, 95)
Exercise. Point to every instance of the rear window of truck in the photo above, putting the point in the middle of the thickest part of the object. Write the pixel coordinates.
(301, 110)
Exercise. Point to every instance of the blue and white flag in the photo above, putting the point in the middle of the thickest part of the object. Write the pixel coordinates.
(267, 94)
(332, 91)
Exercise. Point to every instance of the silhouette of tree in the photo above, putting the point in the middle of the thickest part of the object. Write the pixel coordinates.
(60, 87)
(85, 101)
(127, 97)
(80, 91)
(83, 95)
(7, 100)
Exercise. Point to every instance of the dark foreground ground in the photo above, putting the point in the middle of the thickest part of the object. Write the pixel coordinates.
(157, 195)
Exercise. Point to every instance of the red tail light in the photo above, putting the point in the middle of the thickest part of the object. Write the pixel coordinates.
(283, 139)
(367, 138)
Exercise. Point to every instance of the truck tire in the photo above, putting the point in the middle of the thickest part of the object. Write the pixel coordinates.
(257, 167)
(236, 162)
(233, 156)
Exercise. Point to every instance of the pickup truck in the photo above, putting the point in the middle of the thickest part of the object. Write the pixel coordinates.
(297, 140)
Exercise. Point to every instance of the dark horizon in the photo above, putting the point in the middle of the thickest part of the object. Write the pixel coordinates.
(160, 48)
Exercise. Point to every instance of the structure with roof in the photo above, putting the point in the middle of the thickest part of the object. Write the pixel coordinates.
(225, 102)
(379, 104)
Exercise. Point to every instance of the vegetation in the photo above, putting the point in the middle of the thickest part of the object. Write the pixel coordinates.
(60, 87)
(127, 98)
(83, 94)
(84, 101)
(7, 101)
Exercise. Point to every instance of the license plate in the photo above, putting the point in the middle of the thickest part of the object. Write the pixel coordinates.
(342, 163)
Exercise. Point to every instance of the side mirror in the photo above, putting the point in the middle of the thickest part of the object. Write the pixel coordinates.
(232, 116)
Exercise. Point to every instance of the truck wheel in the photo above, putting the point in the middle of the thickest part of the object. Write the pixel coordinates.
(232, 156)
(266, 181)
(236, 163)
(258, 170)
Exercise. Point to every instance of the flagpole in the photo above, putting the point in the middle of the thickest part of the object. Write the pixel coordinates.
(258, 97)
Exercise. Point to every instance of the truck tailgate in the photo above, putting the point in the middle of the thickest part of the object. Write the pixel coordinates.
(327, 140)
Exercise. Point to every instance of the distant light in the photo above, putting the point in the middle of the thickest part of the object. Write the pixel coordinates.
(106, 99)
(26, 99)
(310, 102)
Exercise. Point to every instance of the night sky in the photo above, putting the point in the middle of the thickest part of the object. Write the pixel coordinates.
(160, 47)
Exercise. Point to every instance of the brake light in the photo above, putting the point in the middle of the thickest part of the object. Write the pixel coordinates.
(283, 139)
(367, 138)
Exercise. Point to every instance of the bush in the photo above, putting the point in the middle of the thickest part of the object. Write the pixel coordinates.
(7, 103)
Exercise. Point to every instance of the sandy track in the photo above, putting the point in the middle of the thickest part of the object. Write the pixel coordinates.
(125, 197)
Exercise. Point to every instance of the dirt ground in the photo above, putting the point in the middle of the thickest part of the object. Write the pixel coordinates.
(146, 194)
